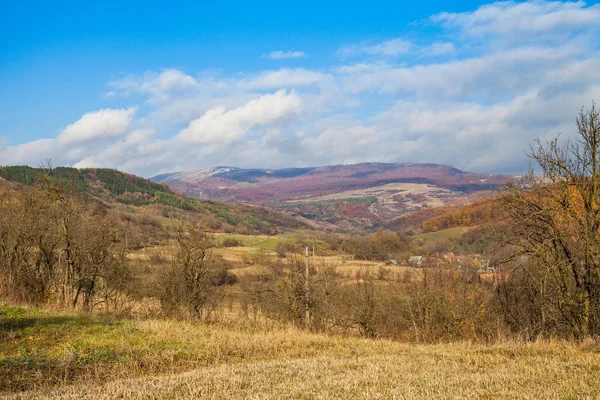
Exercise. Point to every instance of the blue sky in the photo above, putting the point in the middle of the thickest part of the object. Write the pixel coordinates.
(154, 87)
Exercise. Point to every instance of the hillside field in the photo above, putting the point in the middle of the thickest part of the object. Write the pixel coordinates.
(256, 251)
(444, 234)
(74, 356)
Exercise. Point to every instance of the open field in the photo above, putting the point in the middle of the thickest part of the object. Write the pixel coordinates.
(258, 241)
(384, 191)
(254, 254)
(392, 199)
(349, 267)
(266, 242)
(450, 233)
(98, 357)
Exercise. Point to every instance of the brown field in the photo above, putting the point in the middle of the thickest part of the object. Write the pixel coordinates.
(251, 260)
(70, 355)
(243, 354)
(226, 363)
(385, 192)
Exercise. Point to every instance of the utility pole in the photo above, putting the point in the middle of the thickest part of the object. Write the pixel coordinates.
(307, 308)
(127, 235)
(313, 250)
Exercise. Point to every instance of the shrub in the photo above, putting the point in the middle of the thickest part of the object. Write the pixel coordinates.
(231, 242)
(191, 285)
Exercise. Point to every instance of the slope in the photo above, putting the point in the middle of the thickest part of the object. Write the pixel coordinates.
(347, 196)
(91, 356)
(116, 190)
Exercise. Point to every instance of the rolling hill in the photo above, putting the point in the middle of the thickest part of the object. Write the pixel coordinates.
(148, 201)
(347, 196)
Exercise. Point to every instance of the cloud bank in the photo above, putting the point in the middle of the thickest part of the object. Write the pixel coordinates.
(474, 94)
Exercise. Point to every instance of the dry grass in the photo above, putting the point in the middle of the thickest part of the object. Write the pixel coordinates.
(405, 372)
(237, 254)
(75, 356)
(445, 234)
(245, 261)
(439, 196)
(267, 242)
(344, 265)
(349, 267)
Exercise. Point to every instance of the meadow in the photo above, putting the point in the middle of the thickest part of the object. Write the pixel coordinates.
(444, 234)
(253, 252)
(61, 355)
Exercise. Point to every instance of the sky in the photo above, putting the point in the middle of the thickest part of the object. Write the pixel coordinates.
(154, 87)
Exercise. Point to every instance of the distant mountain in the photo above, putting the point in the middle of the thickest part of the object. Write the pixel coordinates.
(347, 195)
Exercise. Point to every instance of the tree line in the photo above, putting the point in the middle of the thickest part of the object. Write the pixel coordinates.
(57, 250)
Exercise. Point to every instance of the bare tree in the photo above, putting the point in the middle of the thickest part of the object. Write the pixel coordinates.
(52, 247)
(554, 220)
(191, 284)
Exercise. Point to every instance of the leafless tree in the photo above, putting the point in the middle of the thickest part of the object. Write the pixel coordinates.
(554, 219)
(191, 284)
(54, 249)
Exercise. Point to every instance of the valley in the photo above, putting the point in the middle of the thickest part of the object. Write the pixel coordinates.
(300, 200)
(221, 293)
(342, 196)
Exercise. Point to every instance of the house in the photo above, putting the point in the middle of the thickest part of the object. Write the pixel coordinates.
(415, 261)
(485, 264)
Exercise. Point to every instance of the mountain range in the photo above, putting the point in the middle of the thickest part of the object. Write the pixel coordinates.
(358, 194)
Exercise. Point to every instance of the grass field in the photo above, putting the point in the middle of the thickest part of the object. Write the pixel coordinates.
(60, 355)
(256, 252)
(450, 233)
(258, 241)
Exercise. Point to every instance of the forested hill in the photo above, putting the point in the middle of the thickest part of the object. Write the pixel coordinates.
(440, 218)
(101, 182)
(115, 187)
(115, 182)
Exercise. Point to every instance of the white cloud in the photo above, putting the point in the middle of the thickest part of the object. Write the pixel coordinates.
(159, 86)
(219, 125)
(438, 49)
(393, 47)
(170, 80)
(522, 18)
(282, 78)
(398, 47)
(474, 96)
(494, 76)
(139, 137)
(283, 55)
(98, 124)
(30, 153)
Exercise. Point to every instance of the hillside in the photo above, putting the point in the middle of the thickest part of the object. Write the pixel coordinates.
(445, 217)
(128, 193)
(99, 357)
(347, 196)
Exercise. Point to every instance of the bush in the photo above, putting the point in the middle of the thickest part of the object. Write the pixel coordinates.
(191, 285)
(231, 242)
(378, 247)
